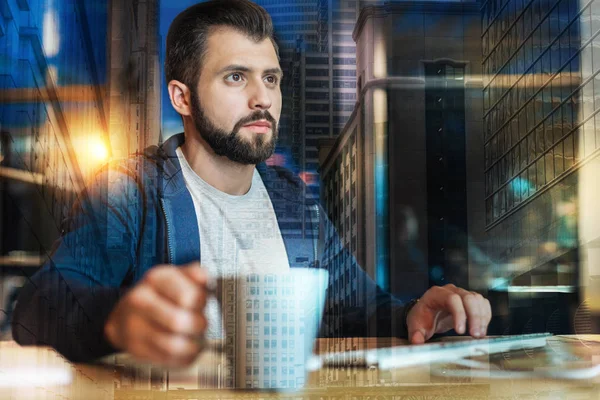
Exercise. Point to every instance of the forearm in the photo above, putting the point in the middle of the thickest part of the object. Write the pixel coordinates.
(64, 314)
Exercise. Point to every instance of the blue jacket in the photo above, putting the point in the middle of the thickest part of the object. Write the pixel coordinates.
(137, 213)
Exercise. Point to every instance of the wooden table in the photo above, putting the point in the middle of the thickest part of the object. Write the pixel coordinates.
(35, 372)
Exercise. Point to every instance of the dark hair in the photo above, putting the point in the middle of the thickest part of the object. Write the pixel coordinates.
(188, 34)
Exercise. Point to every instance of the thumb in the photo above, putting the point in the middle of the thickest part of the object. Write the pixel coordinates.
(421, 323)
(417, 337)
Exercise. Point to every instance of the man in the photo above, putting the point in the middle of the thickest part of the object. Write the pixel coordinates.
(130, 273)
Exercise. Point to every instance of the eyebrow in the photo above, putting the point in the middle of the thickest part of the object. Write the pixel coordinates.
(242, 68)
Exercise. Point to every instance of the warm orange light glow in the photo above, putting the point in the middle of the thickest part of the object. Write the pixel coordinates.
(97, 149)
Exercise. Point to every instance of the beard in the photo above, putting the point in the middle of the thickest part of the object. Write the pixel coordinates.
(231, 144)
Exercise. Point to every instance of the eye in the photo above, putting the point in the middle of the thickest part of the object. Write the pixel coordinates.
(234, 77)
(272, 79)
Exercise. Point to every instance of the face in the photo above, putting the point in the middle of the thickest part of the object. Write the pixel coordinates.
(237, 104)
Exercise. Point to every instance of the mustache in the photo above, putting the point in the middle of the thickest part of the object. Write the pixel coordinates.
(256, 116)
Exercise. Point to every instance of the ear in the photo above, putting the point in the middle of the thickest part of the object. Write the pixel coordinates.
(180, 97)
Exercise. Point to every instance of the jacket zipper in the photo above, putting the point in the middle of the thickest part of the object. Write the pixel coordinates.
(169, 246)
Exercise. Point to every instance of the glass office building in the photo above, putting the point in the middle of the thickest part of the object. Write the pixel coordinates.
(407, 169)
(541, 64)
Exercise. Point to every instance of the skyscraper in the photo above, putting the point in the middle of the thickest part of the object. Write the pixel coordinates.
(398, 181)
(540, 81)
(135, 76)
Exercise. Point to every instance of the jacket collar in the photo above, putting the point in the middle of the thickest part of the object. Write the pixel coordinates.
(279, 182)
(177, 204)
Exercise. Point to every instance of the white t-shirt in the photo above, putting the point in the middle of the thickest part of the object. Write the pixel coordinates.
(238, 234)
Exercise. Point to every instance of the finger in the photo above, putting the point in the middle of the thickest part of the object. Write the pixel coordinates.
(487, 314)
(473, 309)
(175, 285)
(196, 273)
(417, 338)
(444, 323)
(172, 349)
(165, 314)
(154, 345)
(484, 314)
(446, 300)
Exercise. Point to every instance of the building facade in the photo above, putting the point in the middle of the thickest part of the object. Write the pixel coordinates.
(54, 134)
(540, 70)
(135, 69)
(403, 182)
(61, 119)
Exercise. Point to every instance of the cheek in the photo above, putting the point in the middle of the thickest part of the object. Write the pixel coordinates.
(225, 112)
(276, 108)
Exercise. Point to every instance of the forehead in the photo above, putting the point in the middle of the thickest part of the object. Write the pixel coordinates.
(227, 46)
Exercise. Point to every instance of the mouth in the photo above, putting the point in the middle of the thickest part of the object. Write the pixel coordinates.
(259, 126)
(265, 124)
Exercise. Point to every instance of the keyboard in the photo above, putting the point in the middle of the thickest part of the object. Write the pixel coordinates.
(428, 353)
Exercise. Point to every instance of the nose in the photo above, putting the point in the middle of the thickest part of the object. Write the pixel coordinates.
(260, 98)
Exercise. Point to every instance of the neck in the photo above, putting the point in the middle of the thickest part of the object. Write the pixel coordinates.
(218, 171)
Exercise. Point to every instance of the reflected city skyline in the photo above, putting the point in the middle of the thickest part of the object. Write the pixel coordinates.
(448, 142)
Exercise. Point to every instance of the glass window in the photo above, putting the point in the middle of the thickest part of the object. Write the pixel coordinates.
(558, 159)
(524, 185)
(541, 176)
(585, 20)
(548, 132)
(577, 144)
(590, 137)
(549, 166)
(556, 125)
(531, 146)
(532, 179)
(539, 137)
(568, 151)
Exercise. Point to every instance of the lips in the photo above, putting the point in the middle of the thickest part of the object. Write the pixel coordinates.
(260, 124)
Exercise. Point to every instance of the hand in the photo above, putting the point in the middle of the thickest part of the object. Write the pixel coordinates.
(161, 319)
(443, 308)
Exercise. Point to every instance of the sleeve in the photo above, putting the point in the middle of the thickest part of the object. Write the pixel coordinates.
(66, 303)
(355, 306)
